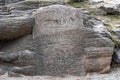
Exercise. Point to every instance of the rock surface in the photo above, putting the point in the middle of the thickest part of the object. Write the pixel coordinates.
(96, 1)
(18, 56)
(65, 35)
(59, 31)
(112, 7)
(113, 75)
(17, 47)
(64, 41)
(116, 57)
(105, 7)
(12, 28)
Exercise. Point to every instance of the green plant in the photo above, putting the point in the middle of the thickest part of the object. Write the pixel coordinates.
(71, 1)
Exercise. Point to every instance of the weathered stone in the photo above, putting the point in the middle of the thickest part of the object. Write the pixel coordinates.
(3, 10)
(98, 42)
(12, 1)
(111, 7)
(63, 41)
(116, 56)
(20, 56)
(24, 60)
(16, 57)
(59, 30)
(12, 28)
(2, 2)
(23, 5)
(117, 32)
(26, 70)
(2, 71)
(30, 4)
(98, 46)
(96, 1)
(63, 37)
(98, 59)
(12, 74)
(98, 27)
(62, 1)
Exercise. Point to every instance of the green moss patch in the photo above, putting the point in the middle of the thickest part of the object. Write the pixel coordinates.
(77, 4)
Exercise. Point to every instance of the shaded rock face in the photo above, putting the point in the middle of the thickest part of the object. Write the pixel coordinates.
(18, 56)
(116, 57)
(2, 2)
(67, 47)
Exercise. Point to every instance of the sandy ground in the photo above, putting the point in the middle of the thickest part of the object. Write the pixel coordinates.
(113, 75)
(5, 77)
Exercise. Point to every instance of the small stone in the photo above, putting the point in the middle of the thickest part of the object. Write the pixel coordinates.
(116, 56)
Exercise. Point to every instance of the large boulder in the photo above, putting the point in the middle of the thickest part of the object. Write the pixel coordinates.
(67, 46)
(59, 30)
(98, 45)
(111, 7)
(14, 27)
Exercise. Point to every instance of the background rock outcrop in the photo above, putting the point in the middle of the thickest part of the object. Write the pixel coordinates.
(106, 7)
(111, 7)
